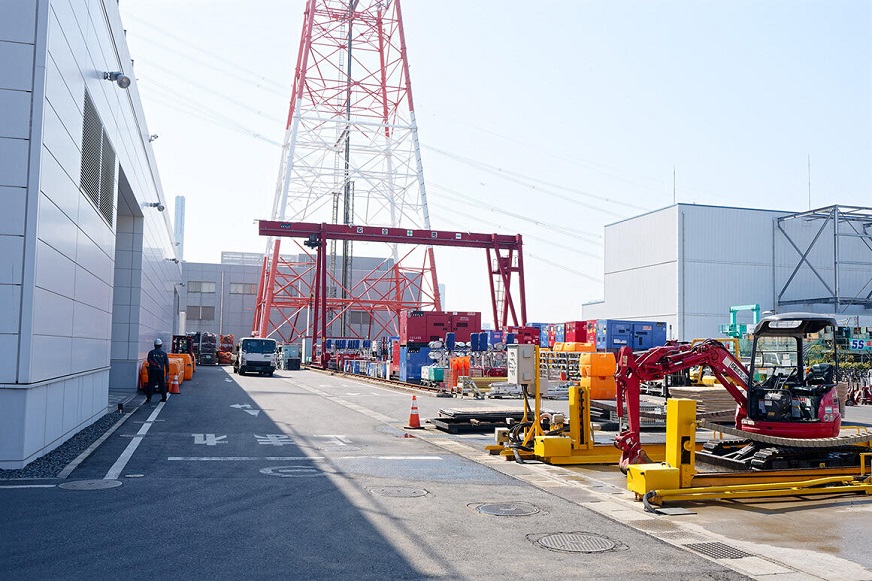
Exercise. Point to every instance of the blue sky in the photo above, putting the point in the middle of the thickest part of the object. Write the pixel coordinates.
(549, 119)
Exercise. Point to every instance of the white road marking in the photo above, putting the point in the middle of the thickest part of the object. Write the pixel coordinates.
(274, 440)
(209, 439)
(122, 461)
(246, 408)
(29, 486)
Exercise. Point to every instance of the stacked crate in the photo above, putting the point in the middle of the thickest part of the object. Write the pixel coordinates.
(598, 374)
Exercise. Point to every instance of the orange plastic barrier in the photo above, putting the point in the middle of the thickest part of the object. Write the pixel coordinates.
(599, 364)
(188, 363)
(177, 367)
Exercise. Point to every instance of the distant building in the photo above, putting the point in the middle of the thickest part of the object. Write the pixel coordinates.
(688, 264)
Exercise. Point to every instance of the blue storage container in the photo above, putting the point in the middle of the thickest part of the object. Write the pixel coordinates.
(510, 338)
(494, 337)
(543, 336)
(328, 344)
(450, 342)
(612, 334)
(367, 344)
(560, 333)
(474, 342)
(412, 359)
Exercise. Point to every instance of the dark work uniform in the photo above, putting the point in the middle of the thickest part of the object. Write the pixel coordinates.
(158, 368)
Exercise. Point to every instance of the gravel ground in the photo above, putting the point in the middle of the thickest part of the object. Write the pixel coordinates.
(50, 465)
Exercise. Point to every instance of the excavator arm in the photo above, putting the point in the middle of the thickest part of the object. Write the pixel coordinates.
(657, 363)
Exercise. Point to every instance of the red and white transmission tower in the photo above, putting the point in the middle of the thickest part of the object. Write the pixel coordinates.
(350, 156)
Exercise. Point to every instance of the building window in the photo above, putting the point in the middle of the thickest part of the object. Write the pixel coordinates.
(243, 288)
(359, 318)
(201, 286)
(197, 313)
(98, 163)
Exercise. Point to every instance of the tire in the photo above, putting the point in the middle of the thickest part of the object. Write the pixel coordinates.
(269, 374)
(241, 370)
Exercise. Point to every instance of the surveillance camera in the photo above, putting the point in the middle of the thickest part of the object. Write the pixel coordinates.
(161, 207)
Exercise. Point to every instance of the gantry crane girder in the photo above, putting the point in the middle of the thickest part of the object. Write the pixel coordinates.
(506, 248)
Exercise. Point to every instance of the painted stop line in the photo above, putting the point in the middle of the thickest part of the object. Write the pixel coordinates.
(291, 471)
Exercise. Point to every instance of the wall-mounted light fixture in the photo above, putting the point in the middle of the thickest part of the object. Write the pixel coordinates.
(120, 79)
(176, 260)
(160, 207)
(152, 137)
(181, 284)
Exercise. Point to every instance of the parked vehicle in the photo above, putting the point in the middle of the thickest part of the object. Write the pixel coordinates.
(254, 354)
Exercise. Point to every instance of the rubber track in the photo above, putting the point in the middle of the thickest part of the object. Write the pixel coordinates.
(791, 442)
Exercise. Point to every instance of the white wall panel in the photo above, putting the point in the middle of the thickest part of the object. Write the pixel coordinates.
(645, 240)
(62, 190)
(72, 403)
(12, 217)
(54, 271)
(8, 372)
(13, 159)
(90, 322)
(14, 114)
(17, 70)
(55, 402)
(54, 357)
(91, 257)
(10, 269)
(89, 354)
(92, 291)
(53, 313)
(34, 419)
(12, 414)
(19, 20)
(10, 313)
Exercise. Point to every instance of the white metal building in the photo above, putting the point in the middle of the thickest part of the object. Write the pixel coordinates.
(688, 264)
(87, 256)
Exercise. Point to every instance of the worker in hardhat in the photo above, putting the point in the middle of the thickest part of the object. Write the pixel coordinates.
(158, 370)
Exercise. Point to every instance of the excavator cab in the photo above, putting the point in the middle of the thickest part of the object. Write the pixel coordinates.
(786, 393)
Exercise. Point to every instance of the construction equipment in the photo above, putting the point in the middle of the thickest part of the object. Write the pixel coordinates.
(548, 436)
(789, 418)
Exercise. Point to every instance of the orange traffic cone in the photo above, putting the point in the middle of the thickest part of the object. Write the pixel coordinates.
(414, 420)
(174, 386)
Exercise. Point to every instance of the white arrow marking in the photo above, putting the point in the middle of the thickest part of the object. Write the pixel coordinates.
(228, 380)
(252, 412)
(209, 439)
(240, 406)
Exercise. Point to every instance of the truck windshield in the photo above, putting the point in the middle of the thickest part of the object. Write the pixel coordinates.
(259, 345)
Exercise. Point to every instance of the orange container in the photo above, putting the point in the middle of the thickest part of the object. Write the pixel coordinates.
(143, 375)
(187, 362)
(599, 364)
(600, 387)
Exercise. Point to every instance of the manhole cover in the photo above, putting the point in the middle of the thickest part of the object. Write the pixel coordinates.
(718, 550)
(507, 509)
(398, 492)
(90, 484)
(578, 542)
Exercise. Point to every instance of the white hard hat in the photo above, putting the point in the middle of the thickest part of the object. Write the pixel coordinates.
(158, 342)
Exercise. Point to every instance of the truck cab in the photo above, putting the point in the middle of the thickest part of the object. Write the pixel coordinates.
(254, 354)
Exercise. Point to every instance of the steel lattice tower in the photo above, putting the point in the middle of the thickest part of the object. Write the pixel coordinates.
(350, 156)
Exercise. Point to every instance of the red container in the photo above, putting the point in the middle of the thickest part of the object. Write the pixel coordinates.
(524, 335)
(438, 324)
(413, 327)
(465, 324)
(591, 332)
(576, 332)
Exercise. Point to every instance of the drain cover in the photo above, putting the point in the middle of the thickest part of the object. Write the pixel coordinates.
(90, 484)
(578, 542)
(507, 509)
(718, 550)
(398, 492)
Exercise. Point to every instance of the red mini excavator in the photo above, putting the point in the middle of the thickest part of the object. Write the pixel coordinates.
(776, 416)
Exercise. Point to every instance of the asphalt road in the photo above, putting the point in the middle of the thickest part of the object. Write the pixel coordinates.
(308, 475)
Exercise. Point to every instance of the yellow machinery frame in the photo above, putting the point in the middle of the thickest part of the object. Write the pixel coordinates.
(579, 446)
(677, 479)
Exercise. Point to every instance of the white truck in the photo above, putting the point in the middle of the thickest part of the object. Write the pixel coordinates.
(254, 354)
